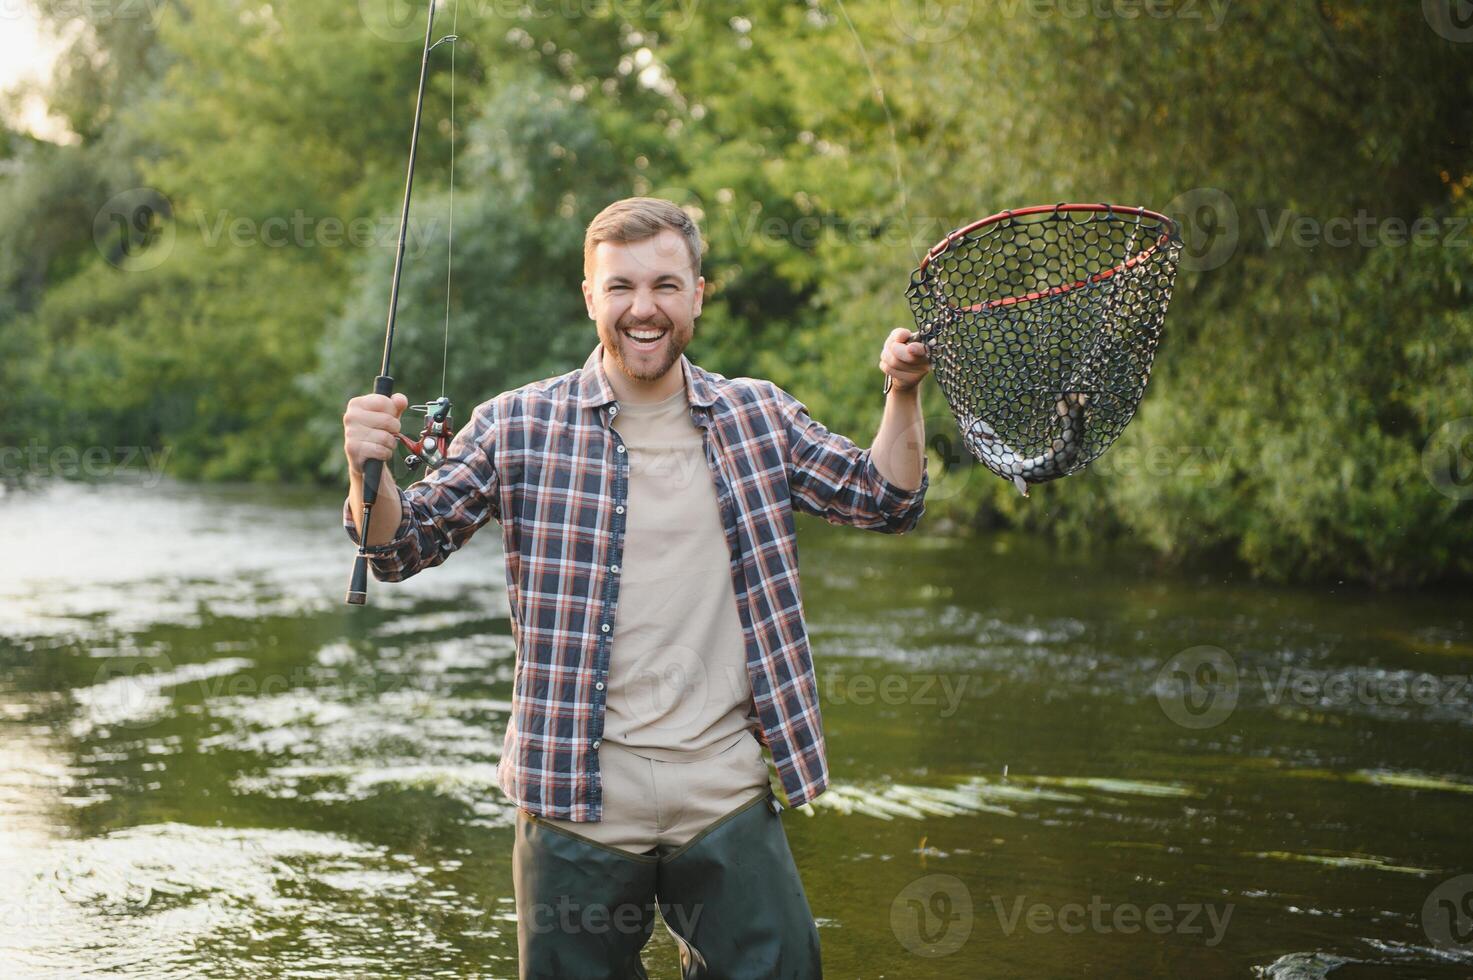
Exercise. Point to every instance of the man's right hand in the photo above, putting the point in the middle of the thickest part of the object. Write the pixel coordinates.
(371, 429)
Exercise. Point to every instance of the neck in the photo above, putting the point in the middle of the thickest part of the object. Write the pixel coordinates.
(628, 389)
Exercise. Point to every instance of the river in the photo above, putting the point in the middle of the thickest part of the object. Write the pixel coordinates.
(1044, 764)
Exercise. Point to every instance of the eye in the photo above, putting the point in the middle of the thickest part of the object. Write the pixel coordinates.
(668, 287)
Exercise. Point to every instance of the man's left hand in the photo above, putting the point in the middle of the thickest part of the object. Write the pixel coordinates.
(905, 360)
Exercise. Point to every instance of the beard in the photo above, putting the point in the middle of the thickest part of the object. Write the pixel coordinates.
(646, 365)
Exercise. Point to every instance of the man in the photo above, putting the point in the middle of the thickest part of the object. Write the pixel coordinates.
(646, 508)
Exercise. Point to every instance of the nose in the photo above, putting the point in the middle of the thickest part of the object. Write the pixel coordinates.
(643, 307)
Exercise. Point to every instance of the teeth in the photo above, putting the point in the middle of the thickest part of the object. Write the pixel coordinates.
(647, 336)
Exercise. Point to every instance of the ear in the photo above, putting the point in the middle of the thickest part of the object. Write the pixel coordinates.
(700, 295)
(588, 300)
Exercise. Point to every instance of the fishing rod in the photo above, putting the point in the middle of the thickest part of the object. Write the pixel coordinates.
(436, 412)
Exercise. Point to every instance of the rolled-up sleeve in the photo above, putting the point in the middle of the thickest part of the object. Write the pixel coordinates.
(441, 511)
(831, 477)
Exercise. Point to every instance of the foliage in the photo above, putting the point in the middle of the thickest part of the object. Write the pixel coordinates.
(823, 147)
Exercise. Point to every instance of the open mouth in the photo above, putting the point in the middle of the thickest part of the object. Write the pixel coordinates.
(641, 339)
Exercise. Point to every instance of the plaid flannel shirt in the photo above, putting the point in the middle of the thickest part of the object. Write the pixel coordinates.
(544, 461)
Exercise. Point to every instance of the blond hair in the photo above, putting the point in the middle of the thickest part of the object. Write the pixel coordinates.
(635, 219)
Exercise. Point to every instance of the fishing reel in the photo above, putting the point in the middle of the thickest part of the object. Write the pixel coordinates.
(434, 438)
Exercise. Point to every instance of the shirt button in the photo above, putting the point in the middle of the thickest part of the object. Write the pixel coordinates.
(605, 627)
(599, 686)
(596, 743)
(619, 509)
(619, 448)
(614, 569)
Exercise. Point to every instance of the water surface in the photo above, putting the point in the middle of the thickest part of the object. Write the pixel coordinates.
(1044, 764)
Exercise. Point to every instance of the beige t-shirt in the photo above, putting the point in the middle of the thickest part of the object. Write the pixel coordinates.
(678, 689)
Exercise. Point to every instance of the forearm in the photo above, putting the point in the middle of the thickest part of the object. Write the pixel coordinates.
(388, 511)
(899, 449)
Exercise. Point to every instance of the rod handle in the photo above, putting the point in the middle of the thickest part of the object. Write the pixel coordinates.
(373, 472)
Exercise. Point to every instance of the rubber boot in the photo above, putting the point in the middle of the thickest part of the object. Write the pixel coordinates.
(732, 898)
(584, 909)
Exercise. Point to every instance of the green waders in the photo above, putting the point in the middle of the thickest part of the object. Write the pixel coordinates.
(730, 896)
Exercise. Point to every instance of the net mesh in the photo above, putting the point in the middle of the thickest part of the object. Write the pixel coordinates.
(1042, 329)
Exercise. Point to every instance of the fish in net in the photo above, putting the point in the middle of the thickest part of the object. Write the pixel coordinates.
(1042, 325)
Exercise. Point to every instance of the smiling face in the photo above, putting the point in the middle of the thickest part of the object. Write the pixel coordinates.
(645, 297)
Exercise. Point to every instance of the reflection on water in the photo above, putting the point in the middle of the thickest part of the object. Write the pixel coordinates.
(1044, 765)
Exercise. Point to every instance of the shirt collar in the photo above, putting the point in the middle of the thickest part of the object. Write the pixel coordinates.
(594, 390)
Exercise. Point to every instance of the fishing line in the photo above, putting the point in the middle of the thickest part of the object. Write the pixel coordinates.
(450, 235)
(879, 92)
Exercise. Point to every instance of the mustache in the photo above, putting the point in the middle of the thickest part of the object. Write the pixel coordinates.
(661, 321)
